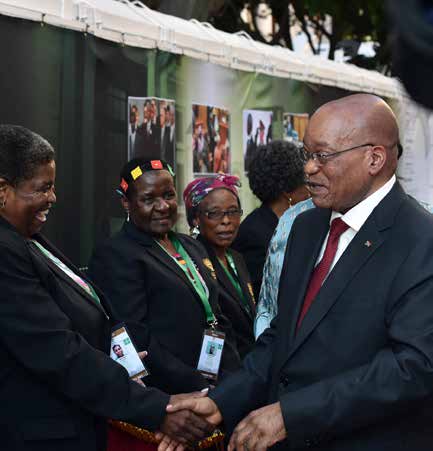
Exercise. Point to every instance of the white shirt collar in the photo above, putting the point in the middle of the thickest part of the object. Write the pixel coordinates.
(358, 214)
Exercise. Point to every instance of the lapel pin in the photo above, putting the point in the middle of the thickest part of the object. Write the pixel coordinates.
(368, 243)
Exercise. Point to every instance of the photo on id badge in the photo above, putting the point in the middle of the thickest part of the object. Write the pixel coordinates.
(211, 352)
(123, 352)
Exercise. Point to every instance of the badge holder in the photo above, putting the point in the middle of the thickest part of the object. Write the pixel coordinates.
(124, 352)
(211, 352)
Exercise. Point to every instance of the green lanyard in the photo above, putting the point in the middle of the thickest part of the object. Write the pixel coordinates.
(75, 277)
(234, 281)
(187, 266)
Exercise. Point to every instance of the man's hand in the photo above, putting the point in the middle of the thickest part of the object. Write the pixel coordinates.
(183, 426)
(201, 406)
(261, 429)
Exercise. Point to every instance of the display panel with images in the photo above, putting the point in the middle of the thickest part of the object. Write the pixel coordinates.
(151, 129)
(294, 126)
(210, 139)
(257, 130)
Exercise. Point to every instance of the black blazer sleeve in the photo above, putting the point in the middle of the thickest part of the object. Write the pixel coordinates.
(42, 339)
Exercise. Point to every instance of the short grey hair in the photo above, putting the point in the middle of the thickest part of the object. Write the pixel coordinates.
(21, 153)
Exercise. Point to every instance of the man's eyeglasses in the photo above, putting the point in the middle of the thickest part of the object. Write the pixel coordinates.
(323, 157)
(217, 215)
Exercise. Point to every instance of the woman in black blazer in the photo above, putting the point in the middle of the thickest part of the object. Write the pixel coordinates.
(144, 271)
(214, 210)
(57, 382)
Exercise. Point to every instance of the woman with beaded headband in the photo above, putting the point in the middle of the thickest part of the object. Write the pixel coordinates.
(161, 279)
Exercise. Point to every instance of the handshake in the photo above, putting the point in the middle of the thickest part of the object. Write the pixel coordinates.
(191, 417)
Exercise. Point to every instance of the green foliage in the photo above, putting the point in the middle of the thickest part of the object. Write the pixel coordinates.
(355, 21)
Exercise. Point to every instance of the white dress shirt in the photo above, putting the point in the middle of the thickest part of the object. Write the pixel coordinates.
(355, 218)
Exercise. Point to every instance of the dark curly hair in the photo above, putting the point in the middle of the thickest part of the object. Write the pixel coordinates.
(275, 168)
(21, 153)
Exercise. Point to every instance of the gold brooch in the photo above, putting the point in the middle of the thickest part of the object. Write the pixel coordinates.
(210, 267)
(250, 288)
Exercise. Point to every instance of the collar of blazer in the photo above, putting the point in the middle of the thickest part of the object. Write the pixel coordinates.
(61, 274)
(224, 280)
(47, 262)
(157, 252)
(303, 249)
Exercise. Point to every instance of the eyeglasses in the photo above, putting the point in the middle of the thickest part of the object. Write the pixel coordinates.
(323, 157)
(217, 215)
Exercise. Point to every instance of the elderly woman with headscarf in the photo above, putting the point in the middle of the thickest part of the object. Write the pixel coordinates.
(214, 210)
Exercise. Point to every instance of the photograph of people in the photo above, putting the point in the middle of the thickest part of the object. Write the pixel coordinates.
(118, 351)
(154, 137)
(257, 130)
(167, 131)
(294, 126)
(134, 119)
(210, 139)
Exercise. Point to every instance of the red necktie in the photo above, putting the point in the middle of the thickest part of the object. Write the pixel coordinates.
(338, 226)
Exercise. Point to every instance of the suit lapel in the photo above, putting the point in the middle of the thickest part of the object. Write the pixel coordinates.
(244, 280)
(225, 282)
(165, 259)
(363, 246)
(204, 271)
(61, 274)
(353, 259)
(156, 251)
(295, 280)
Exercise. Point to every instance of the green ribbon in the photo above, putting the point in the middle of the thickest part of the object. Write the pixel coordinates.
(193, 276)
(235, 281)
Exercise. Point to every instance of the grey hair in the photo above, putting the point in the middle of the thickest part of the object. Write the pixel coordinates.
(21, 153)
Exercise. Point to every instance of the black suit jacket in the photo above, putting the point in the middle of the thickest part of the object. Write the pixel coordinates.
(358, 375)
(146, 285)
(147, 142)
(240, 315)
(255, 233)
(56, 380)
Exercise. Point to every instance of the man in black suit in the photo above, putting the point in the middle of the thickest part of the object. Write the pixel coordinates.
(146, 140)
(166, 135)
(347, 364)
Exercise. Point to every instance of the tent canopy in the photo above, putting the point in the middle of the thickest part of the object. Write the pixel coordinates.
(131, 23)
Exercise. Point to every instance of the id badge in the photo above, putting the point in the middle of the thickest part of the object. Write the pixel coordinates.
(123, 351)
(210, 354)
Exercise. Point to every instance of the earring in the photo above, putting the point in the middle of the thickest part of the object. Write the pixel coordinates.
(127, 215)
(3, 204)
(290, 201)
(194, 231)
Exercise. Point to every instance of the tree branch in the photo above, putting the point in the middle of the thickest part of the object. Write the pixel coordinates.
(320, 26)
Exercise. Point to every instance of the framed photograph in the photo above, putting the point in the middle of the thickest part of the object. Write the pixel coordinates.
(151, 129)
(294, 126)
(257, 130)
(210, 140)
